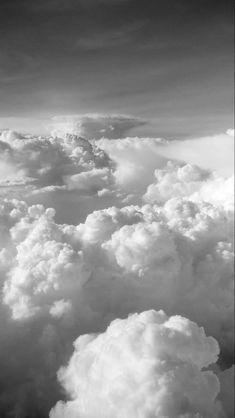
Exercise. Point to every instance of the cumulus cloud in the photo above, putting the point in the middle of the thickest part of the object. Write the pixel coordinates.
(46, 266)
(148, 250)
(178, 256)
(93, 180)
(145, 365)
(135, 159)
(193, 182)
(156, 233)
(69, 162)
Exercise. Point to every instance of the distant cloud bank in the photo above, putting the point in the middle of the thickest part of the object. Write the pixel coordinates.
(94, 126)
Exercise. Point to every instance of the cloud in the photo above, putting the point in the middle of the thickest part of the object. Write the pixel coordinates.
(148, 250)
(93, 180)
(186, 180)
(24, 125)
(58, 162)
(111, 38)
(130, 155)
(215, 152)
(178, 256)
(145, 365)
(156, 233)
(175, 180)
(94, 126)
(46, 265)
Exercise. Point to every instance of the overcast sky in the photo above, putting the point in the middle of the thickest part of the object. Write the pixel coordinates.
(167, 61)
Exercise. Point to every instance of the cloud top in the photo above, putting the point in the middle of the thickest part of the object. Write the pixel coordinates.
(145, 365)
(94, 126)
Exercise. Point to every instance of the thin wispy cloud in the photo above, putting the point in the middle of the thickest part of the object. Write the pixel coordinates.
(112, 37)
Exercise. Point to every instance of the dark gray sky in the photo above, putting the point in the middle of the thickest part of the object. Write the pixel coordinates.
(170, 61)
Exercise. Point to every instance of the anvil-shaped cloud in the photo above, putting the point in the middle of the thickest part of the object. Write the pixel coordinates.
(94, 126)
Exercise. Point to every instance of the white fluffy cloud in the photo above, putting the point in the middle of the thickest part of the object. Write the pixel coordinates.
(192, 182)
(149, 251)
(156, 233)
(46, 267)
(146, 365)
(93, 180)
(57, 162)
(178, 256)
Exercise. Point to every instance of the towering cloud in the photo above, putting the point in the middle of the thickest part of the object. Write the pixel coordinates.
(146, 365)
(94, 126)
(56, 162)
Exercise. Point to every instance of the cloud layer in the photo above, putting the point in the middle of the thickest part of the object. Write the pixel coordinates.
(157, 235)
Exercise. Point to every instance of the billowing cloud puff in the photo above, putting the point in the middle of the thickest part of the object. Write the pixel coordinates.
(178, 256)
(145, 365)
(93, 180)
(52, 161)
(149, 251)
(195, 183)
(175, 180)
(94, 126)
(46, 266)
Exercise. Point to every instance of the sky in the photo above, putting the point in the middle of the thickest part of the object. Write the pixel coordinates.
(168, 62)
(116, 209)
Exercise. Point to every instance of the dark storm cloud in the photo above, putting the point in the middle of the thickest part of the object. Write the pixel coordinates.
(153, 57)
